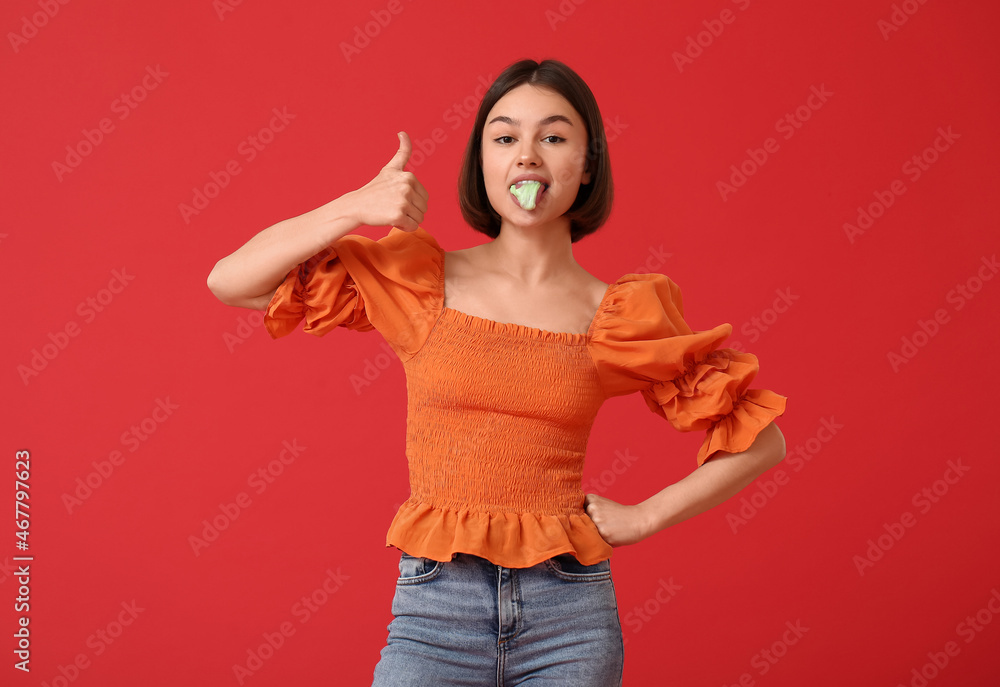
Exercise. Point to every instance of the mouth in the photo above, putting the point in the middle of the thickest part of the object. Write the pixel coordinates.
(527, 193)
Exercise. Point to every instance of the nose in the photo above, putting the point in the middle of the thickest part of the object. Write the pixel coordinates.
(528, 154)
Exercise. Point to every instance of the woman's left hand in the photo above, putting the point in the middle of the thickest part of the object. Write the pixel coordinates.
(618, 524)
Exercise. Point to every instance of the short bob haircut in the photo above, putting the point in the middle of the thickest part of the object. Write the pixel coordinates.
(593, 201)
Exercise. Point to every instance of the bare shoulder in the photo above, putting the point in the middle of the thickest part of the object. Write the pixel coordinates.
(596, 288)
(462, 283)
(458, 260)
(595, 283)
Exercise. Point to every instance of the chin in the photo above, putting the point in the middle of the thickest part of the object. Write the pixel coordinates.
(534, 221)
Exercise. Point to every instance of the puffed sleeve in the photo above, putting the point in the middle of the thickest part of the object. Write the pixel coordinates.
(394, 285)
(641, 343)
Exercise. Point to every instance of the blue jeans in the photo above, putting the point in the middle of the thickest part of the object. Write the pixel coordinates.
(471, 622)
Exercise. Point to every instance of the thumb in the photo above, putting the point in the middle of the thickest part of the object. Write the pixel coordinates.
(402, 155)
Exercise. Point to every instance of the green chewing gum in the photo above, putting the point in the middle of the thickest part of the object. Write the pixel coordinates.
(526, 193)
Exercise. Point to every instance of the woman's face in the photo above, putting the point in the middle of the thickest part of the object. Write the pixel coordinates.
(535, 132)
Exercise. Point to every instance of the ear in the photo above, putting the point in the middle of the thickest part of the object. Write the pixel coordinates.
(586, 173)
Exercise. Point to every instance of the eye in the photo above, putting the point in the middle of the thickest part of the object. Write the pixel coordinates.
(558, 139)
(501, 141)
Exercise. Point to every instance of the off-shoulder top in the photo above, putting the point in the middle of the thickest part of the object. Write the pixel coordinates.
(499, 414)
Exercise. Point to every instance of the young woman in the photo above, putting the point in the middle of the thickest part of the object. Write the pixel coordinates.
(510, 348)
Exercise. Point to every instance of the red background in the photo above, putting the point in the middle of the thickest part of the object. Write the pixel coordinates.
(675, 132)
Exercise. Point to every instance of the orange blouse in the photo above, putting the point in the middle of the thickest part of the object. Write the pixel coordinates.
(499, 414)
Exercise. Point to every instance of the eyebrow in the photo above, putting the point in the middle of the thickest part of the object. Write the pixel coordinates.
(516, 122)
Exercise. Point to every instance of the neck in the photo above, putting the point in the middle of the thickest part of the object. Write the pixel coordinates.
(535, 254)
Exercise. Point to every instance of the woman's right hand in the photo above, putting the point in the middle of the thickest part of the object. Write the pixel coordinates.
(393, 198)
(249, 276)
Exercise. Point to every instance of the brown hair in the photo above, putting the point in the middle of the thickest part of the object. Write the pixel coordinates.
(593, 201)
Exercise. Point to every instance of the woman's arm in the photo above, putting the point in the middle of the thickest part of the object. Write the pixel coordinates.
(249, 277)
(715, 481)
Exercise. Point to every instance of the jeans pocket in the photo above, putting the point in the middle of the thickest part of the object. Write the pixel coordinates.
(416, 569)
(565, 566)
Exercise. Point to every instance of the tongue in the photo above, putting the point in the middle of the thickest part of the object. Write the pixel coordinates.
(526, 193)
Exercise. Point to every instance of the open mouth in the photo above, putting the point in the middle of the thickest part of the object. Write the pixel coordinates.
(528, 192)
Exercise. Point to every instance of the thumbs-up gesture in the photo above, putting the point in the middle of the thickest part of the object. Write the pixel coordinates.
(394, 197)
